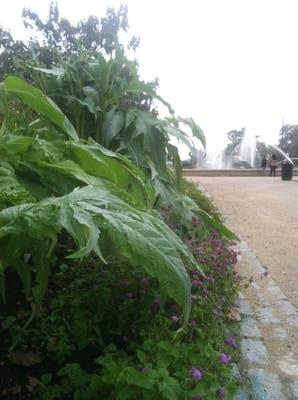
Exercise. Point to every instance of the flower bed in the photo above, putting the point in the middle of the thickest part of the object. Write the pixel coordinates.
(106, 332)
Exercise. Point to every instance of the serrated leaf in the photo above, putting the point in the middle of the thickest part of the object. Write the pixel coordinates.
(139, 237)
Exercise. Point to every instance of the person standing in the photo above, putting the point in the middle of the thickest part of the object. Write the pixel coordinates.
(273, 163)
(264, 164)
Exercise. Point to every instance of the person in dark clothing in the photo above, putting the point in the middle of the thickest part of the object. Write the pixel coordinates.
(273, 163)
(264, 164)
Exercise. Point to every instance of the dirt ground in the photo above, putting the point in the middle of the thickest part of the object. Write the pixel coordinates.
(263, 211)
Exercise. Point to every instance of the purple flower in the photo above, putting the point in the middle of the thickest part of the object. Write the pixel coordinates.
(195, 219)
(224, 358)
(156, 301)
(196, 374)
(198, 397)
(220, 393)
(144, 370)
(193, 323)
(197, 283)
(174, 319)
(143, 291)
(234, 259)
(230, 342)
(129, 295)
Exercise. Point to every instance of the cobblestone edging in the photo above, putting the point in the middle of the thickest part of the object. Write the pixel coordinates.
(268, 321)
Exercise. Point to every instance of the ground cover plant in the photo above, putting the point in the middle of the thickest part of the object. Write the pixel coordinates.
(116, 276)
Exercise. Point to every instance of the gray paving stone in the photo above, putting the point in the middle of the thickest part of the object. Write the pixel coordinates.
(244, 307)
(289, 365)
(265, 385)
(254, 351)
(294, 390)
(255, 263)
(262, 299)
(293, 320)
(286, 307)
(275, 290)
(249, 328)
(266, 316)
(279, 332)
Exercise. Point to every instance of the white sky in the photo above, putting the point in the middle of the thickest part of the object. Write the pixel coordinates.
(226, 63)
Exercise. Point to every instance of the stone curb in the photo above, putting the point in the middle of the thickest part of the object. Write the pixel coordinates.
(263, 384)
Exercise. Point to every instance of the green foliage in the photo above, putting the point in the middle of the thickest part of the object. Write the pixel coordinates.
(98, 89)
(44, 167)
(59, 37)
(88, 213)
(203, 202)
(101, 98)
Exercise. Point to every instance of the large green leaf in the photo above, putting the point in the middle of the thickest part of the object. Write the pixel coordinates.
(86, 214)
(60, 166)
(113, 122)
(40, 103)
(195, 129)
(50, 71)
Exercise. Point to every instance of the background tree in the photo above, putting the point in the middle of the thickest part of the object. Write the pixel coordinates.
(288, 139)
(58, 37)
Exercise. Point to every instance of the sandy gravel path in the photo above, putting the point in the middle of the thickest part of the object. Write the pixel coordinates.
(264, 212)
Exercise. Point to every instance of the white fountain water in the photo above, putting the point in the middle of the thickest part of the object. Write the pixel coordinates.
(248, 147)
(282, 152)
(246, 151)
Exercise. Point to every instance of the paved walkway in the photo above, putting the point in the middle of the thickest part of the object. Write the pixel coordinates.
(264, 212)
(269, 320)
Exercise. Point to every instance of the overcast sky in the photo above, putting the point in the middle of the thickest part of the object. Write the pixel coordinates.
(226, 63)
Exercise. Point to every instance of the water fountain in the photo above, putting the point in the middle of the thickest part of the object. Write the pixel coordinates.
(248, 148)
(241, 154)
